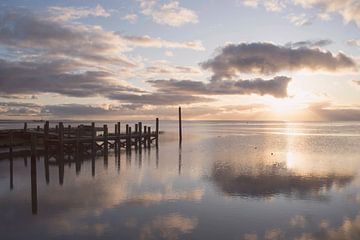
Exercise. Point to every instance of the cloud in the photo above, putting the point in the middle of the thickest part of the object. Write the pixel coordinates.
(147, 41)
(309, 44)
(171, 13)
(357, 82)
(132, 18)
(354, 42)
(299, 20)
(19, 109)
(158, 98)
(350, 229)
(70, 13)
(38, 38)
(348, 9)
(170, 226)
(276, 87)
(77, 60)
(326, 111)
(56, 77)
(269, 5)
(267, 58)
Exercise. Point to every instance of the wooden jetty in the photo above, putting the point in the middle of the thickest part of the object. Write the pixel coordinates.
(61, 141)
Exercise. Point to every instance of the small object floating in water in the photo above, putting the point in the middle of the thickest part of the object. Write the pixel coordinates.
(272, 153)
(255, 147)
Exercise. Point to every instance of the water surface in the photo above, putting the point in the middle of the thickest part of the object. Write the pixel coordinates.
(228, 180)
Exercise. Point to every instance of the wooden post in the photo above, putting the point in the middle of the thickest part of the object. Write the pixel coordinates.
(77, 134)
(25, 126)
(145, 136)
(136, 139)
(140, 136)
(69, 131)
(93, 135)
(33, 145)
(106, 135)
(34, 203)
(116, 140)
(46, 134)
(180, 127)
(118, 136)
(61, 138)
(130, 141)
(127, 138)
(157, 132)
(11, 142)
(38, 128)
(149, 137)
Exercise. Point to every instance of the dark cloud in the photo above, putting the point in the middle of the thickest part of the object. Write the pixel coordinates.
(276, 87)
(267, 58)
(54, 77)
(157, 98)
(309, 44)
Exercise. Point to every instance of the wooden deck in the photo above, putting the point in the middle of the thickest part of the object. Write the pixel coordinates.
(60, 141)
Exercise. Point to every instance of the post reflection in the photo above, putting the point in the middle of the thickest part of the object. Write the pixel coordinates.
(34, 201)
(180, 159)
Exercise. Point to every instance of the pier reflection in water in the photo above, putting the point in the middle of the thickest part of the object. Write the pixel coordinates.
(219, 183)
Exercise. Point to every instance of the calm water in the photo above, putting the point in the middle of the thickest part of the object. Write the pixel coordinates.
(228, 180)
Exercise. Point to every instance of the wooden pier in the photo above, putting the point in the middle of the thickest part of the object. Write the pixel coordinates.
(70, 142)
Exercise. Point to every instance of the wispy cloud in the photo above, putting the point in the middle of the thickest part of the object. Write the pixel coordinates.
(309, 43)
(70, 13)
(132, 18)
(299, 20)
(171, 13)
(147, 41)
(348, 9)
(354, 42)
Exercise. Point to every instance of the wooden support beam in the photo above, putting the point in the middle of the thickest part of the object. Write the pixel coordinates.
(118, 135)
(149, 137)
(61, 139)
(157, 132)
(93, 135)
(11, 141)
(145, 136)
(180, 127)
(140, 136)
(106, 137)
(136, 139)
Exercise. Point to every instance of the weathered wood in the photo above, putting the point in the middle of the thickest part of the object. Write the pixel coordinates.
(34, 202)
(145, 136)
(61, 138)
(106, 137)
(157, 132)
(93, 136)
(136, 139)
(11, 141)
(149, 137)
(140, 136)
(180, 127)
(127, 138)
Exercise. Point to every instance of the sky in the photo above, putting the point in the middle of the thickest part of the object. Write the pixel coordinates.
(290, 60)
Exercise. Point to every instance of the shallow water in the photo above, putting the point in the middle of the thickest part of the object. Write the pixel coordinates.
(228, 180)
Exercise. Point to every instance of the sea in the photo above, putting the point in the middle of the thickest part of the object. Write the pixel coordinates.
(225, 180)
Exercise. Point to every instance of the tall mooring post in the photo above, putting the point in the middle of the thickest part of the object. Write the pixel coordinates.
(180, 127)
